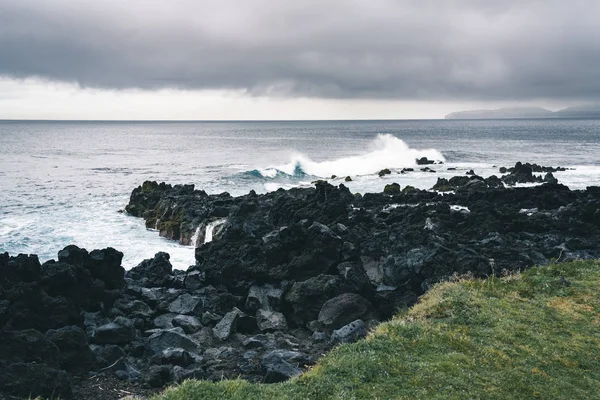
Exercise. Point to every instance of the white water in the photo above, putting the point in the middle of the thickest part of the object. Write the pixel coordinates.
(195, 237)
(386, 151)
(210, 229)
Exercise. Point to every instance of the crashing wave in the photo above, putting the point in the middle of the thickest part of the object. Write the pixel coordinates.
(386, 151)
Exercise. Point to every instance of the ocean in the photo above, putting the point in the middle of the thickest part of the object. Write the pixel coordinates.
(65, 182)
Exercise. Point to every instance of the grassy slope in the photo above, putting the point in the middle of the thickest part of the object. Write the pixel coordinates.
(520, 337)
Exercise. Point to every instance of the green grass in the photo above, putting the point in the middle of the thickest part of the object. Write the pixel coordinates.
(525, 336)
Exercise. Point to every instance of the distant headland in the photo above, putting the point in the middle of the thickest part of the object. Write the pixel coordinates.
(590, 111)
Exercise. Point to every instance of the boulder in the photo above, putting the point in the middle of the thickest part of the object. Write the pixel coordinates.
(307, 297)
(270, 321)
(391, 189)
(120, 331)
(193, 280)
(344, 309)
(21, 268)
(167, 338)
(350, 333)
(227, 325)
(176, 356)
(135, 308)
(188, 323)
(184, 304)
(266, 297)
(165, 321)
(281, 365)
(424, 161)
(75, 354)
(106, 265)
(153, 272)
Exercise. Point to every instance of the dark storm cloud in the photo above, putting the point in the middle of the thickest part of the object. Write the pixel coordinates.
(406, 49)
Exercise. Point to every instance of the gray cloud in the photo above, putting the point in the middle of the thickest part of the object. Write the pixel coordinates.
(380, 49)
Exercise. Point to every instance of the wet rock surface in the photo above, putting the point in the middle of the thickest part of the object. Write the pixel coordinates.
(288, 275)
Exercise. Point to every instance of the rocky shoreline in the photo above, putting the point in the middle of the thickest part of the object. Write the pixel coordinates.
(279, 278)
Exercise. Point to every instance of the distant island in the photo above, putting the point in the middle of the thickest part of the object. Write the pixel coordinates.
(592, 111)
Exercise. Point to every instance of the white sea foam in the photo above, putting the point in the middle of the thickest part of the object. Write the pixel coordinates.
(268, 172)
(386, 151)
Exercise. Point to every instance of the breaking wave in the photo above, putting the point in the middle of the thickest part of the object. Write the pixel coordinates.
(386, 151)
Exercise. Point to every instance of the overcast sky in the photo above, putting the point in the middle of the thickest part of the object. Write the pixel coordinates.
(301, 59)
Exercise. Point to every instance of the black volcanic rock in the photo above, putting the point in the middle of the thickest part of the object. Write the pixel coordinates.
(286, 269)
(152, 272)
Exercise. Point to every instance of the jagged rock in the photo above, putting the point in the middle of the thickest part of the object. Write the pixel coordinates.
(152, 296)
(424, 161)
(106, 265)
(75, 354)
(184, 304)
(270, 321)
(135, 308)
(176, 356)
(152, 272)
(28, 346)
(120, 331)
(549, 178)
(188, 323)
(350, 333)
(521, 173)
(209, 318)
(73, 282)
(281, 365)
(385, 171)
(216, 300)
(316, 245)
(355, 278)
(168, 338)
(20, 268)
(266, 297)
(343, 309)
(307, 297)
(227, 325)
(193, 280)
(165, 321)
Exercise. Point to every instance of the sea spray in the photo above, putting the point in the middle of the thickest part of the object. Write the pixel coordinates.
(386, 151)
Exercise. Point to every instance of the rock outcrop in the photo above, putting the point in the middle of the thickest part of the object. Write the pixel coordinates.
(288, 275)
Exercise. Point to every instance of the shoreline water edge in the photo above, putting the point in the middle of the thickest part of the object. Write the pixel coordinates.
(279, 278)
